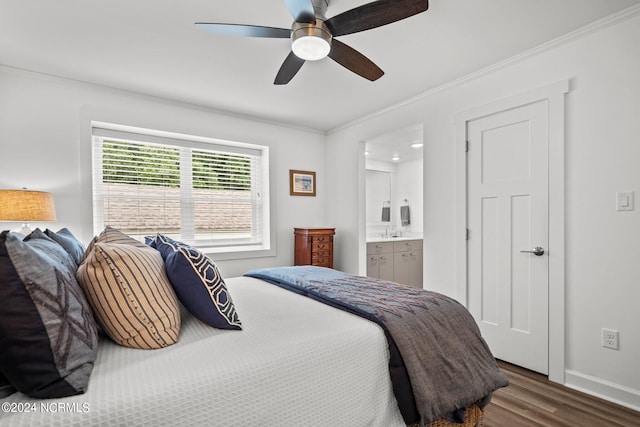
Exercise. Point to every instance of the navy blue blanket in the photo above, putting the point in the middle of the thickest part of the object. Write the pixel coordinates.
(439, 364)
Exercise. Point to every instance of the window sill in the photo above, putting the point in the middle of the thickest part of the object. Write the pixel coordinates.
(227, 254)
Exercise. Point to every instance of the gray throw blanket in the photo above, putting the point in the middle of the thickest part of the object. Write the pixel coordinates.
(448, 363)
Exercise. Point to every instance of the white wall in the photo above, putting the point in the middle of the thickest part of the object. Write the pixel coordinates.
(602, 157)
(45, 145)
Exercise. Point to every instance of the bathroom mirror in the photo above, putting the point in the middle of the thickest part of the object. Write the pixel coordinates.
(378, 197)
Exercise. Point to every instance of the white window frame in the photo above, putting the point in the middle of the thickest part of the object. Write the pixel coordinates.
(229, 250)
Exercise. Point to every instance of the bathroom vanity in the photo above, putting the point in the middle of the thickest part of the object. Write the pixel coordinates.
(398, 259)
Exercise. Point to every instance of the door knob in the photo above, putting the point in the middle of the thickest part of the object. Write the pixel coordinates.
(537, 251)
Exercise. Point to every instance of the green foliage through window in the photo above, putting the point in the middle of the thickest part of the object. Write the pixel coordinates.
(144, 164)
(221, 171)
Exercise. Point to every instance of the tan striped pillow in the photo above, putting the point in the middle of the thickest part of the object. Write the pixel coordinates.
(130, 294)
(111, 235)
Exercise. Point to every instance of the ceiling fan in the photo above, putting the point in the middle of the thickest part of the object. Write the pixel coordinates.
(313, 36)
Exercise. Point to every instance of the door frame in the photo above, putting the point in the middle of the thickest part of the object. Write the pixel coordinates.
(554, 95)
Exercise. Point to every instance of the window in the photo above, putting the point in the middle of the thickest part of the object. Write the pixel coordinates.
(208, 193)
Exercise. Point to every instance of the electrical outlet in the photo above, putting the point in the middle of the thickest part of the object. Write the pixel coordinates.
(610, 338)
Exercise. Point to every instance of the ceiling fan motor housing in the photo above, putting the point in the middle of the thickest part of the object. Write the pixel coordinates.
(311, 41)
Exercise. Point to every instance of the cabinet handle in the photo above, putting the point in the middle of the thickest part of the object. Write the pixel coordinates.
(383, 257)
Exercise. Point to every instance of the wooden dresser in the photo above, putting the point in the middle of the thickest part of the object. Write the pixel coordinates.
(314, 246)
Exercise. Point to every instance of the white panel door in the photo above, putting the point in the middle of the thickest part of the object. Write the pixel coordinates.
(507, 213)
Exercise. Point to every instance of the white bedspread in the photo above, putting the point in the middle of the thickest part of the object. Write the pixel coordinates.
(296, 362)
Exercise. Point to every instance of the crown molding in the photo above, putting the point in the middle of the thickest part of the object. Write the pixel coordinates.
(584, 31)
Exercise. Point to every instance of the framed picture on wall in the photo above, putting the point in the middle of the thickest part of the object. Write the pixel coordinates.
(302, 183)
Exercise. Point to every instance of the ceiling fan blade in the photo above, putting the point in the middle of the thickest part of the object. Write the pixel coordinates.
(289, 68)
(301, 10)
(353, 60)
(373, 15)
(244, 30)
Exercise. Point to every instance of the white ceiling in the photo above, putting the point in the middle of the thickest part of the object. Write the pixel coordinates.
(396, 144)
(152, 47)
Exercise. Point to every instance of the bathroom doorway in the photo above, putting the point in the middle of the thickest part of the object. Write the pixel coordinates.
(394, 184)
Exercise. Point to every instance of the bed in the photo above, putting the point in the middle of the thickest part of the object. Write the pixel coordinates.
(296, 362)
(300, 356)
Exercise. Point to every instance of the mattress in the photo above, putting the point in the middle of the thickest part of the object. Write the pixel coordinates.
(296, 362)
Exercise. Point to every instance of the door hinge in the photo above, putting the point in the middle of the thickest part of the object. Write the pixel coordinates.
(466, 146)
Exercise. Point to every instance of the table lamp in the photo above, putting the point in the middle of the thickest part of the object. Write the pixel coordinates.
(26, 206)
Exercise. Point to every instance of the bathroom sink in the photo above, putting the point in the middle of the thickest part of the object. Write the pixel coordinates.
(391, 239)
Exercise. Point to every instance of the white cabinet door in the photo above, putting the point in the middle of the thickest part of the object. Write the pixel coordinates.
(401, 267)
(415, 269)
(386, 266)
(372, 266)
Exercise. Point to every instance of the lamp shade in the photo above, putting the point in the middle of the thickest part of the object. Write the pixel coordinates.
(26, 206)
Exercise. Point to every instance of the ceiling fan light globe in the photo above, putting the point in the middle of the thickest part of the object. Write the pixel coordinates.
(310, 48)
(310, 41)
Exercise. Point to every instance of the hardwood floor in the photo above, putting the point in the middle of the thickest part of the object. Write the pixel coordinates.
(532, 400)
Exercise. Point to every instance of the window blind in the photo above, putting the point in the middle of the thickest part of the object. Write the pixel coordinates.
(208, 194)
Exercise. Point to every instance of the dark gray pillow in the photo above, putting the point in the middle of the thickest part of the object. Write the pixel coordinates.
(5, 387)
(69, 242)
(46, 245)
(48, 338)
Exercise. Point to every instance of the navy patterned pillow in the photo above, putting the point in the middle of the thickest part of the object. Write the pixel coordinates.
(48, 337)
(150, 241)
(198, 284)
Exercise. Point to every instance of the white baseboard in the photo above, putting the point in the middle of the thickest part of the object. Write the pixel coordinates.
(603, 389)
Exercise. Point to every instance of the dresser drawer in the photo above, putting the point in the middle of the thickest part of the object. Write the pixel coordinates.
(325, 263)
(317, 247)
(321, 239)
(321, 254)
(321, 261)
